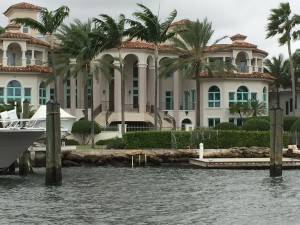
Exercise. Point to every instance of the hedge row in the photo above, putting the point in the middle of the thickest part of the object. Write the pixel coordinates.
(211, 139)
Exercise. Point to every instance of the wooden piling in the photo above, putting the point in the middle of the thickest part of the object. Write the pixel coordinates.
(276, 141)
(53, 145)
(24, 159)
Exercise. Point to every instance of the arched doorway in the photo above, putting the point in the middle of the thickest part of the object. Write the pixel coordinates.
(185, 122)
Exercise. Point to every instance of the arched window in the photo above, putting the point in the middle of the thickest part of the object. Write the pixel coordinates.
(42, 94)
(14, 91)
(185, 122)
(242, 94)
(214, 97)
(265, 97)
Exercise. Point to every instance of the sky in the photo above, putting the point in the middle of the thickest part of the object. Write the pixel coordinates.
(228, 17)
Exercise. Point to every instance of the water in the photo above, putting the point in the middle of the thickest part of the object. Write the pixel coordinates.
(152, 196)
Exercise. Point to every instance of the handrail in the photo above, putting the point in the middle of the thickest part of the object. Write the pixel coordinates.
(148, 110)
(108, 114)
(97, 110)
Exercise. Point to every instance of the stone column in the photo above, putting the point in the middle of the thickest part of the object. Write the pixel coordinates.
(4, 58)
(176, 97)
(151, 85)
(117, 90)
(142, 87)
(32, 61)
(73, 96)
(24, 59)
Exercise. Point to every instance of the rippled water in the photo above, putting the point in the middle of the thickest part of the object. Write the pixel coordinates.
(152, 196)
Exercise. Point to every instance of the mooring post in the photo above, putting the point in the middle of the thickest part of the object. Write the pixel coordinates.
(276, 141)
(201, 151)
(24, 160)
(53, 145)
(145, 160)
(132, 161)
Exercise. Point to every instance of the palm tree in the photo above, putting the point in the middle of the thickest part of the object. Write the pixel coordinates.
(255, 108)
(149, 28)
(278, 68)
(49, 22)
(238, 107)
(282, 22)
(79, 48)
(114, 31)
(192, 42)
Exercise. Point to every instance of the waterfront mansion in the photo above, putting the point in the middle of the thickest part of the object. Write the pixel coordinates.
(24, 68)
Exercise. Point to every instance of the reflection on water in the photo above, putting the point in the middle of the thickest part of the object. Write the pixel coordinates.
(151, 196)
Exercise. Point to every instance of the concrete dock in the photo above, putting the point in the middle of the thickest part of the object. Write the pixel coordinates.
(242, 163)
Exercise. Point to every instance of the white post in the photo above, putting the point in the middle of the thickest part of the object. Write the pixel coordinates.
(132, 161)
(145, 160)
(201, 151)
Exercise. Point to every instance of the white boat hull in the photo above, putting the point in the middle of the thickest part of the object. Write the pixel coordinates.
(13, 142)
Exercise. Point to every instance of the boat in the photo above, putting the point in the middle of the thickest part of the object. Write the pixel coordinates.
(14, 141)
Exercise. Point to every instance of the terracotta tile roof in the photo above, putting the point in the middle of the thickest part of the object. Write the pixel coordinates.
(147, 46)
(28, 68)
(180, 22)
(13, 26)
(31, 40)
(229, 47)
(243, 45)
(238, 37)
(260, 51)
(22, 5)
(255, 75)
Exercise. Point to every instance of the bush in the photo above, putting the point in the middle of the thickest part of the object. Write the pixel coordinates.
(226, 126)
(256, 124)
(211, 139)
(288, 121)
(296, 125)
(82, 130)
(71, 142)
(116, 143)
(259, 117)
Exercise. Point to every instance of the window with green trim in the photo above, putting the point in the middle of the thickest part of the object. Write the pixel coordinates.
(265, 97)
(13, 91)
(242, 94)
(2, 95)
(42, 94)
(214, 97)
(212, 122)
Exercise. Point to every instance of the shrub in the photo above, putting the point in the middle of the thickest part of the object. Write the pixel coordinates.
(226, 126)
(82, 130)
(256, 125)
(288, 121)
(259, 117)
(296, 125)
(212, 139)
(71, 142)
(116, 143)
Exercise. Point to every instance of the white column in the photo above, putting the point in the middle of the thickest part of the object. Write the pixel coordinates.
(117, 91)
(73, 96)
(151, 85)
(4, 58)
(176, 97)
(23, 59)
(142, 87)
(32, 60)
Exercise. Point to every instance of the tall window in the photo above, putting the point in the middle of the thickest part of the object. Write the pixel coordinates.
(135, 86)
(42, 94)
(14, 91)
(265, 97)
(212, 122)
(52, 93)
(1, 95)
(242, 94)
(194, 101)
(231, 98)
(169, 100)
(27, 94)
(214, 97)
(25, 29)
(89, 91)
(186, 99)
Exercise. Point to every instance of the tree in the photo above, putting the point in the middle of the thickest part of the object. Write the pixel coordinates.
(114, 31)
(149, 28)
(238, 107)
(49, 22)
(192, 43)
(255, 108)
(278, 68)
(281, 22)
(2, 30)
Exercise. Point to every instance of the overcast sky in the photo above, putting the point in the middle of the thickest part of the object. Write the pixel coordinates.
(229, 17)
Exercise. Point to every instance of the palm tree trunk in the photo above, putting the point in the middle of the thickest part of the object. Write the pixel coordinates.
(86, 106)
(155, 86)
(292, 77)
(278, 97)
(197, 75)
(122, 93)
(53, 68)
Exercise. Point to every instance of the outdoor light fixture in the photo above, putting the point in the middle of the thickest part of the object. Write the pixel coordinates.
(186, 112)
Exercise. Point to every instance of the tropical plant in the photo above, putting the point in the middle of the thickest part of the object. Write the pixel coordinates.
(114, 31)
(255, 108)
(238, 107)
(256, 124)
(283, 23)
(82, 130)
(226, 126)
(149, 28)
(2, 30)
(49, 22)
(192, 42)
(278, 68)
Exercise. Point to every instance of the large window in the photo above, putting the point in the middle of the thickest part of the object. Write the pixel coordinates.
(212, 122)
(42, 94)
(186, 100)
(194, 101)
(14, 91)
(242, 94)
(265, 97)
(135, 85)
(1, 95)
(214, 97)
(169, 100)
